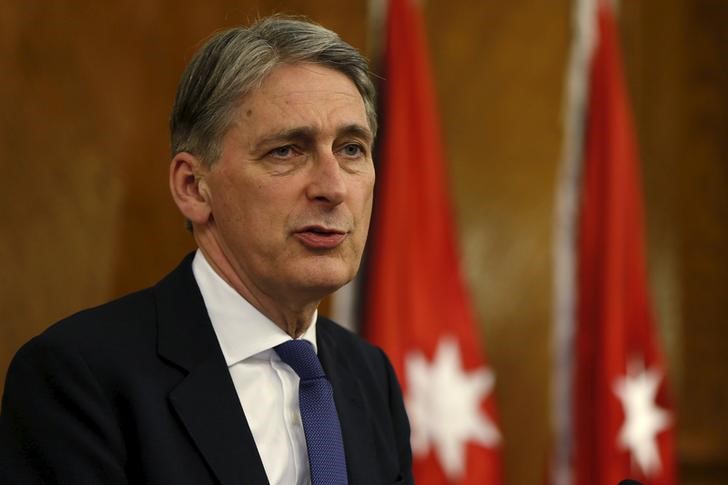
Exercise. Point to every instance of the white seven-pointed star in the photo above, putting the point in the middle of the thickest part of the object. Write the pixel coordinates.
(444, 406)
(643, 419)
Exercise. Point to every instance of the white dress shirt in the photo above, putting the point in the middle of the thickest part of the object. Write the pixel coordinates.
(266, 386)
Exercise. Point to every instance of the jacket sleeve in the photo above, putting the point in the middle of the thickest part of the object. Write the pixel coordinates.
(400, 423)
(56, 424)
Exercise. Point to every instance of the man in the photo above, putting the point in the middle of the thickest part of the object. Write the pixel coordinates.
(193, 381)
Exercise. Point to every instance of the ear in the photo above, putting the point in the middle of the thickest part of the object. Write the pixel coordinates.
(189, 191)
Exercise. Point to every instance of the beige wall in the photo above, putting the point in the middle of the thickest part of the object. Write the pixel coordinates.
(85, 94)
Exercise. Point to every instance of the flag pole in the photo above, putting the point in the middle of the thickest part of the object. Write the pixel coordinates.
(567, 199)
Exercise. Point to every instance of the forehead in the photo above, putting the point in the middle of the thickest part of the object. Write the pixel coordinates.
(306, 77)
(303, 93)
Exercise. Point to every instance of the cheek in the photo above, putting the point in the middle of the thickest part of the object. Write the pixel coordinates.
(234, 202)
(229, 204)
(362, 211)
(266, 208)
(364, 198)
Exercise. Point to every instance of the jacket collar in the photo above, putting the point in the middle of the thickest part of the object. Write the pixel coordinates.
(205, 399)
(206, 402)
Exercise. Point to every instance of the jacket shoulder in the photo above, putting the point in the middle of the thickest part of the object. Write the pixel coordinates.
(360, 355)
(128, 318)
(346, 340)
(106, 321)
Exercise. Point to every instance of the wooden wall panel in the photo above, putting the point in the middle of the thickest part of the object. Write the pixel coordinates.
(499, 71)
(703, 219)
(678, 71)
(86, 91)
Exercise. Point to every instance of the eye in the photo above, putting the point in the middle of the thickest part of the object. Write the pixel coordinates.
(282, 152)
(353, 150)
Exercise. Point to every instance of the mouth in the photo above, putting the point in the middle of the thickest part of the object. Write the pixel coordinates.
(319, 237)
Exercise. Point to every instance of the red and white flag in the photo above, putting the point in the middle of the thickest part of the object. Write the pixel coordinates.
(613, 417)
(417, 306)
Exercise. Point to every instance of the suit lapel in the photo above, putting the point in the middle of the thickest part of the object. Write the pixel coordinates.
(205, 400)
(217, 425)
(358, 441)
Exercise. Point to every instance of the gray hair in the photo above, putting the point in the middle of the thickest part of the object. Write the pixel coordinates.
(235, 61)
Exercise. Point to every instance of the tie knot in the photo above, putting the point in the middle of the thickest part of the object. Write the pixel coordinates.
(299, 354)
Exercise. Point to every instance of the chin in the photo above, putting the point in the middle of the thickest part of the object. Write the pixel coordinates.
(327, 283)
(324, 279)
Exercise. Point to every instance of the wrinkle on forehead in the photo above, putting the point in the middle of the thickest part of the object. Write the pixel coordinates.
(319, 100)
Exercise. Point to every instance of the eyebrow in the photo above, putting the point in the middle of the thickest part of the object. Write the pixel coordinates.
(306, 133)
(356, 130)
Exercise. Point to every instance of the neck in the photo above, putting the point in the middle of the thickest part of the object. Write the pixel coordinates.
(294, 318)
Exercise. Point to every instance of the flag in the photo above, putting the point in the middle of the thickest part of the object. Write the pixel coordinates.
(416, 304)
(613, 417)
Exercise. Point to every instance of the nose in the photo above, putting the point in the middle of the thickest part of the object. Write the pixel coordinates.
(327, 182)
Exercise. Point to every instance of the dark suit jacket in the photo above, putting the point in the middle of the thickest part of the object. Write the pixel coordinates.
(137, 391)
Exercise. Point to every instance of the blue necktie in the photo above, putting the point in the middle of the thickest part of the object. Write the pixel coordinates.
(318, 413)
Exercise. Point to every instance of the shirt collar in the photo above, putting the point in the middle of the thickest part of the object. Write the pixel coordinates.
(241, 329)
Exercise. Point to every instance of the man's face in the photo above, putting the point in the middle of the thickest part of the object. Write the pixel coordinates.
(291, 195)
